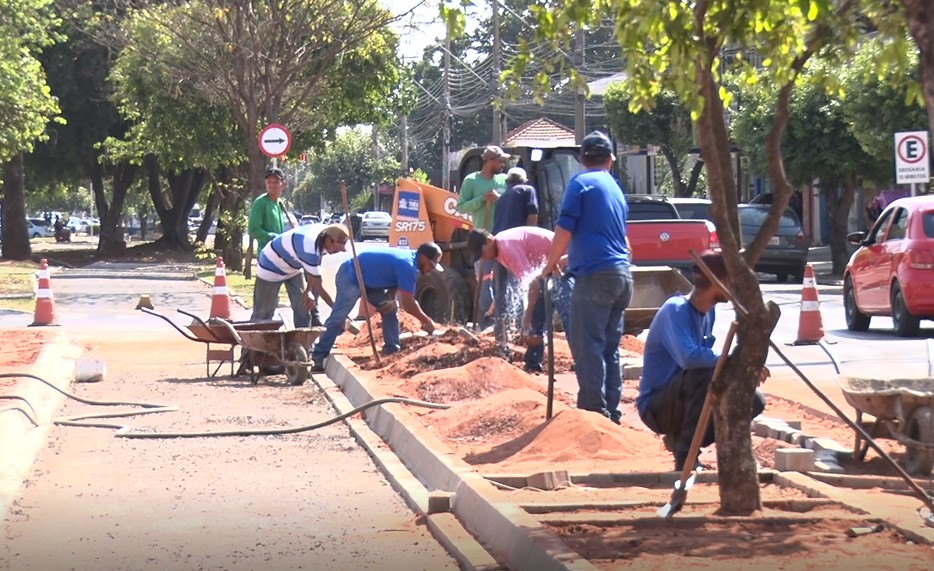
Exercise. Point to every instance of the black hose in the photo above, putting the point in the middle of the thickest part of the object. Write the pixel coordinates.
(125, 431)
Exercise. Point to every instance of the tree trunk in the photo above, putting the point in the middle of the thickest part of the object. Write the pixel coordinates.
(112, 239)
(15, 236)
(921, 26)
(208, 217)
(184, 187)
(681, 189)
(738, 480)
(839, 201)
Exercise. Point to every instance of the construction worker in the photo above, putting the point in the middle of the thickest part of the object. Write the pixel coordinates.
(295, 252)
(386, 272)
(521, 251)
(477, 197)
(679, 360)
(591, 229)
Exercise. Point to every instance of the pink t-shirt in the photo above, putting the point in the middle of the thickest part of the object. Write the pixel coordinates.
(523, 249)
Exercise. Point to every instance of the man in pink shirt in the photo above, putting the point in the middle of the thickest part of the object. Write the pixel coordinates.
(523, 252)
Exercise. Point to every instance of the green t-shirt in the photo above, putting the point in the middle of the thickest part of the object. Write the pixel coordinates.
(267, 220)
(471, 200)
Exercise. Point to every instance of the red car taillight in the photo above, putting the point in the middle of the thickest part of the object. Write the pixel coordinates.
(920, 259)
(799, 239)
(714, 240)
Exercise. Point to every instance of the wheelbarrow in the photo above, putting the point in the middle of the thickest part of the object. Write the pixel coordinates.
(215, 332)
(902, 405)
(288, 348)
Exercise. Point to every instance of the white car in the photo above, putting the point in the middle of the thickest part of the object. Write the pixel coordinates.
(375, 224)
(39, 228)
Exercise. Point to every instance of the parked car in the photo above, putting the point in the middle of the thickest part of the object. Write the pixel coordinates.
(659, 236)
(375, 224)
(39, 228)
(787, 251)
(692, 208)
(309, 219)
(891, 271)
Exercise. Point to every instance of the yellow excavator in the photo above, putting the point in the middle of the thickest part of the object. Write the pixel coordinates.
(422, 212)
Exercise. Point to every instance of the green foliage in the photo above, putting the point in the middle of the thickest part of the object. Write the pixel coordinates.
(350, 158)
(26, 102)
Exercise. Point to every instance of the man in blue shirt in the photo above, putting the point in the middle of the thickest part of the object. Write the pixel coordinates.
(386, 271)
(591, 228)
(679, 360)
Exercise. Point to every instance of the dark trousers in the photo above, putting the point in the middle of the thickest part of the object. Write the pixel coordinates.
(675, 410)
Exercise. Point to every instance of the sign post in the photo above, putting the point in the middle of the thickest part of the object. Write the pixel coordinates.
(275, 140)
(912, 164)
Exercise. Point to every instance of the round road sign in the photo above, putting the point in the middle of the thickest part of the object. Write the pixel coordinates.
(274, 140)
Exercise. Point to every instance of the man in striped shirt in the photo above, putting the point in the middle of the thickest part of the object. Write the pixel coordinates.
(297, 252)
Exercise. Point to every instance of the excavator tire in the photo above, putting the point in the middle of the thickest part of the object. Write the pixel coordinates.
(440, 292)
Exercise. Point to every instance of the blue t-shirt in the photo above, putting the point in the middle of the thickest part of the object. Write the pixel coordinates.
(385, 268)
(679, 338)
(594, 211)
(514, 207)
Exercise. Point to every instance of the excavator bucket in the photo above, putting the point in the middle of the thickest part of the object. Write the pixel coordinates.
(651, 286)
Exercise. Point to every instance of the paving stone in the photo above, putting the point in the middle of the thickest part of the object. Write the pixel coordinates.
(794, 460)
(549, 480)
(828, 466)
(828, 444)
(796, 424)
(439, 502)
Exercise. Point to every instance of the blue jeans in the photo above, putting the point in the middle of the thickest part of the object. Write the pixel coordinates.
(597, 305)
(266, 299)
(483, 268)
(347, 295)
(506, 300)
(561, 299)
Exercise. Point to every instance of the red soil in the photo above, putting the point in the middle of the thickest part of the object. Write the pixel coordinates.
(18, 349)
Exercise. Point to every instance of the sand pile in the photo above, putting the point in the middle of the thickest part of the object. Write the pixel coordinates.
(475, 380)
(493, 419)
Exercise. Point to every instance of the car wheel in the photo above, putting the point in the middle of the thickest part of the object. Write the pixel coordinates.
(856, 320)
(36, 235)
(906, 324)
(798, 275)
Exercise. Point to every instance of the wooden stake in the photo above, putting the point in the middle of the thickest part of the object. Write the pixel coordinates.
(356, 265)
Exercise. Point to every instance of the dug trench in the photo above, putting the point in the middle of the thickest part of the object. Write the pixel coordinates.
(496, 424)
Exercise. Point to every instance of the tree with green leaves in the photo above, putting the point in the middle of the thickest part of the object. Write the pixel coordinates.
(26, 105)
(667, 126)
(686, 48)
(349, 158)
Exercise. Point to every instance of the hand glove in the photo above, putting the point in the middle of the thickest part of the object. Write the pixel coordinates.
(387, 306)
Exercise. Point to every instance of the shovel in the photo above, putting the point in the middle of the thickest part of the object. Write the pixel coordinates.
(687, 479)
(550, 333)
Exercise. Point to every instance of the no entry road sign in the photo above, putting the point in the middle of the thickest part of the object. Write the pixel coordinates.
(911, 157)
(274, 140)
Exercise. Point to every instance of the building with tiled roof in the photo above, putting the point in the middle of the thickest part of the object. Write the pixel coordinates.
(540, 133)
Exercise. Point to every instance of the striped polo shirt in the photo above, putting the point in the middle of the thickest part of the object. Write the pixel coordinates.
(289, 253)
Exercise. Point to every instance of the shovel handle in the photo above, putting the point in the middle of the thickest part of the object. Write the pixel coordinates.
(704, 418)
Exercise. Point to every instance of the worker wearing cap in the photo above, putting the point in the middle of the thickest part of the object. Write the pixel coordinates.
(294, 252)
(268, 219)
(591, 229)
(522, 252)
(386, 271)
(478, 196)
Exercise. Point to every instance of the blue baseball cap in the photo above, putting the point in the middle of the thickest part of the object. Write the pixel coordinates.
(596, 144)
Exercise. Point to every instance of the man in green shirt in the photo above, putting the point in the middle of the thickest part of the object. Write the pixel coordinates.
(268, 219)
(478, 195)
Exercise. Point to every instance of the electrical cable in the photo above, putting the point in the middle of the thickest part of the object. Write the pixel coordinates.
(124, 431)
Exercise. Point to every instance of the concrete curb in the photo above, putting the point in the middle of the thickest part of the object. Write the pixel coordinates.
(443, 526)
(512, 535)
(54, 364)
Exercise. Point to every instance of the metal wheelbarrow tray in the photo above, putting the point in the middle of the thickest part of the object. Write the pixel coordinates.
(904, 407)
(288, 347)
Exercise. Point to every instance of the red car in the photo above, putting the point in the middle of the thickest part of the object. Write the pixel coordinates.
(892, 272)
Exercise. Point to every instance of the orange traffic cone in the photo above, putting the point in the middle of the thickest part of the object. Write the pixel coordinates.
(45, 303)
(220, 301)
(810, 324)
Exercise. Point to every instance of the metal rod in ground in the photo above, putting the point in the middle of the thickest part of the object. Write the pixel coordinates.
(740, 310)
(359, 272)
(550, 332)
(680, 493)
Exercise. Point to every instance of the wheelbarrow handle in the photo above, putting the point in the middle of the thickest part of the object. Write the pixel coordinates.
(184, 333)
(202, 323)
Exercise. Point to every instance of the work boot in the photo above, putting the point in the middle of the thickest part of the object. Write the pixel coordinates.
(533, 368)
(317, 365)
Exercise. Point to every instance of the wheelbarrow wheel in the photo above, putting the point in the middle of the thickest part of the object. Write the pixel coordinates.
(920, 427)
(297, 374)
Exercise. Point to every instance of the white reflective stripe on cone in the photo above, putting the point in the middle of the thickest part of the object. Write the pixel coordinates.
(218, 271)
(44, 294)
(810, 306)
(810, 283)
(44, 274)
(220, 290)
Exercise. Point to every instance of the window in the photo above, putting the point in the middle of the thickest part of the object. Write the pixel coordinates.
(879, 228)
(899, 225)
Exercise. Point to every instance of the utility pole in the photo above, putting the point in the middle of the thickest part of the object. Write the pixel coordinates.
(494, 82)
(446, 142)
(404, 143)
(579, 118)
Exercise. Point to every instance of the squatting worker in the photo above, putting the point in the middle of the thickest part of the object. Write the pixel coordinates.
(478, 196)
(268, 219)
(522, 252)
(287, 255)
(591, 228)
(386, 271)
(679, 361)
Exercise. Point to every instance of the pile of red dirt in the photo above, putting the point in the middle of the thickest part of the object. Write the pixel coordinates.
(18, 349)
(495, 418)
(477, 379)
